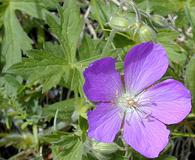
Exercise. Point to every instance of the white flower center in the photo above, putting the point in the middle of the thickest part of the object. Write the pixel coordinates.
(134, 105)
(127, 102)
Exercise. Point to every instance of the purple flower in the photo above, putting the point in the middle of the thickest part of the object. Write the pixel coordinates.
(140, 107)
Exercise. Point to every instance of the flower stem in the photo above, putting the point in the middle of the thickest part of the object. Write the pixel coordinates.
(126, 151)
(177, 134)
(55, 120)
(109, 41)
(35, 134)
(136, 10)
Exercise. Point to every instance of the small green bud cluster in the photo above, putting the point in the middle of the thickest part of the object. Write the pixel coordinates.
(119, 22)
(141, 32)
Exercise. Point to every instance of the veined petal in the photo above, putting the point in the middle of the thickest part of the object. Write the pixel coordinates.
(169, 101)
(144, 64)
(104, 122)
(102, 81)
(147, 136)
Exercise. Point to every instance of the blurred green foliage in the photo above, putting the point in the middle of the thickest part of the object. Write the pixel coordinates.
(45, 46)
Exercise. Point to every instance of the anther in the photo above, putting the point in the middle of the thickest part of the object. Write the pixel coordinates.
(131, 103)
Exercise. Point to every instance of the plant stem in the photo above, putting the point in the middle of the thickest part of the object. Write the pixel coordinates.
(55, 120)
(136, 10)
(189, 135)
(109, 41)
(35, 134)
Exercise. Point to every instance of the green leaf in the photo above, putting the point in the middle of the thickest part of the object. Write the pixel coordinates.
(4, 102)
(90, 47)
(11, 84)
(65, 146)
(83, 124)
(162, 7)
(48, 4)
(32, 8)
(2, 11)
(166, 157)
(54, 25)
(71, 26)
(65, 109)
(88, 157)
(15, 39)
(22, 141)
(190, 79)
(189, 18)
(102, 11)
(75, 80)
(41, 66)
(67, 30)
(102, 151)
(174, 51)
(74, 152)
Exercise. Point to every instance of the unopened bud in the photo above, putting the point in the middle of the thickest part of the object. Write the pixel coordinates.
(104, 148)
(159, 21)
(119, 22)
(146, 33)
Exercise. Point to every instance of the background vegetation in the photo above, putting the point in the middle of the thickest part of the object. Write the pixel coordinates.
(45, 46)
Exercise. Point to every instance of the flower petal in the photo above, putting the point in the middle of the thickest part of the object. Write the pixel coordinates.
(102, 81)
(147, 136)
(104, 122)
(144, 64)
(170, 101)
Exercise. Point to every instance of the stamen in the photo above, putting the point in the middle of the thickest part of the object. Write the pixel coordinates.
(131, 102)
(135, 105)
(125, 101)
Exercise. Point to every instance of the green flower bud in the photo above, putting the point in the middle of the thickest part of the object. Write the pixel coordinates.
(104, 148)
(160, 21)
(119, 22)
(146, 33)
